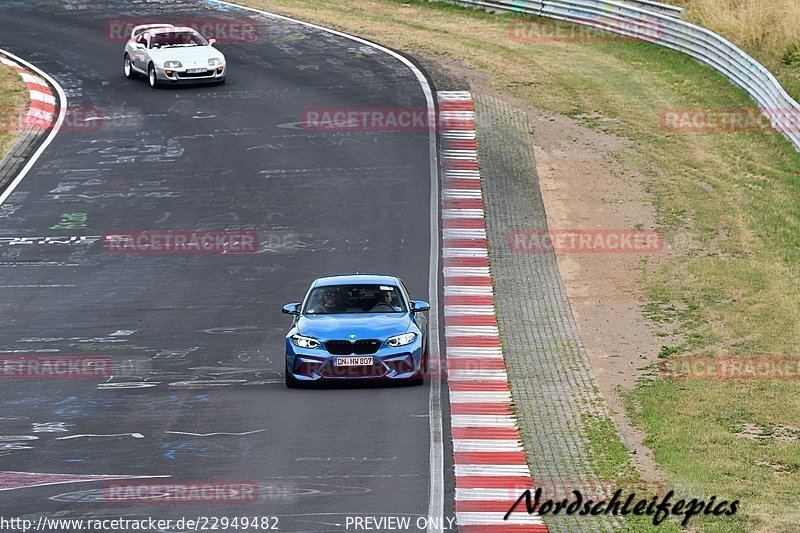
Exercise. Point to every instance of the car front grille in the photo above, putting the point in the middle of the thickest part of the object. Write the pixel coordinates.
(362, 347)
(205, 74)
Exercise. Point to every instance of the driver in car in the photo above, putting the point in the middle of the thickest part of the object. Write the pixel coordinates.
(384, 303)
(329, 304)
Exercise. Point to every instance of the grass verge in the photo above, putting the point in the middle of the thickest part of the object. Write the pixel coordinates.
(727, 203)
(13, 100)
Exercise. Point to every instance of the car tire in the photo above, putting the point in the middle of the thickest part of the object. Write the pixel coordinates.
(291, 381)
(152, 79)
(128, 68)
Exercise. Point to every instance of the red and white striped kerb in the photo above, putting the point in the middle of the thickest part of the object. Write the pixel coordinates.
(490, 467)
(41, 111)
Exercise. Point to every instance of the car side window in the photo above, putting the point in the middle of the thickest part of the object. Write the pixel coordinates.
(405, 291)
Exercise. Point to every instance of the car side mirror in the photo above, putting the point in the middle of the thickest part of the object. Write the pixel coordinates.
(211, 42)
(418, 307)
(139, 46)
(291, 309)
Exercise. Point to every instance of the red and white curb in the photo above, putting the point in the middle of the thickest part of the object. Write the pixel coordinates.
(41, 111)
(490, 467)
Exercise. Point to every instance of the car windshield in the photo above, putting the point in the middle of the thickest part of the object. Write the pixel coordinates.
(177, 38)
(333, 299)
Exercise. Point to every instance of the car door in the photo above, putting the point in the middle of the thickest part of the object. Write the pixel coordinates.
(140, 48)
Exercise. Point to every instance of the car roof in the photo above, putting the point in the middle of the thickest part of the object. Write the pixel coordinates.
(173, 29)
(357, 279)
(137, 30)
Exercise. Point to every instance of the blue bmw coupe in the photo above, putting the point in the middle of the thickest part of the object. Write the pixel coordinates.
(356, 327)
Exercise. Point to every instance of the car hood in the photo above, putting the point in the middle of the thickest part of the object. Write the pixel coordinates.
(188, 56)
(362, 325)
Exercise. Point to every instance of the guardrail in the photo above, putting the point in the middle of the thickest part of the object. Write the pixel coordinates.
(658, 7)
(631, 20)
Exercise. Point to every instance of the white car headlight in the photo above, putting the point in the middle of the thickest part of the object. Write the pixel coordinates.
(213, 62)
(305, 342)
(401, 340)
(172, 64)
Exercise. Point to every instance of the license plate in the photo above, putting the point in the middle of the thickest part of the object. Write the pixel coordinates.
(353, 361)
(195, 70)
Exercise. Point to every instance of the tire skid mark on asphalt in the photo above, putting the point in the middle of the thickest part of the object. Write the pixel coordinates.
(489, 460)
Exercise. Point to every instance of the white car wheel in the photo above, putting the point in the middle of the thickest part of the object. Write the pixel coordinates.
(129, 72)
(151, 77)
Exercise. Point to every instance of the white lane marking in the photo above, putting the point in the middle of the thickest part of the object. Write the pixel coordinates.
(462, 174)
(461, 96)
(461, 194)
(478, 375)
(462, 213)
(460, 115)
(491, 353)
(134, 435)
(459, 134)
(62, 97)
(475, 519)
(489, 396)
(520, 470)
(480, 331)
(467, 310)
(483, 421)
(467, 290)
(486, 445)
(465, 233)
(465, 252)
(42, 97)
(29, 78)
(466, 271)
(487, 494)
(214, 434)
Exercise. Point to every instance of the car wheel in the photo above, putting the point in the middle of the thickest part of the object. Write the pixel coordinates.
(151, 76)
(129, 72)
(291, 382)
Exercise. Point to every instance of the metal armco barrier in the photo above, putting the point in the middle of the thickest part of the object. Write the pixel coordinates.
(631, 19)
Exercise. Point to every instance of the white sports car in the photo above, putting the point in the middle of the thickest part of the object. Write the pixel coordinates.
(170, 54)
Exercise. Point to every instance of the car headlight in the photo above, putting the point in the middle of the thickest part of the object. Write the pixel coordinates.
(305, 342)
(213, 62)
(401, 340)
(172, 64)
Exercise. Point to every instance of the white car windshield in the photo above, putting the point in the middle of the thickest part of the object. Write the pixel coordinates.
(180, 38)
(333, 299)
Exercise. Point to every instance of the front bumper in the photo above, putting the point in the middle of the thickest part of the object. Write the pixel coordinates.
(212, 74)
(389, 363)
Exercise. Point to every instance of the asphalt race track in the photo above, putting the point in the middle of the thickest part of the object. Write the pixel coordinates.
(203, 334)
